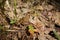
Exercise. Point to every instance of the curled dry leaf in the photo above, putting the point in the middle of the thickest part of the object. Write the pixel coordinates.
(38, 25)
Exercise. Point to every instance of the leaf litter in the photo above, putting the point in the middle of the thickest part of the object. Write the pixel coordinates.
(38, 15)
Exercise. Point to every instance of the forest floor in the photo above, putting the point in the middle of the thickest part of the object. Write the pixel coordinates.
(29, 20)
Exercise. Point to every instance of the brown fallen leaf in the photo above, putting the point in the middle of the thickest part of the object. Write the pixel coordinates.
(38, 25)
